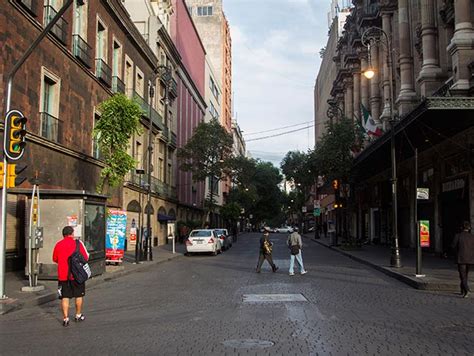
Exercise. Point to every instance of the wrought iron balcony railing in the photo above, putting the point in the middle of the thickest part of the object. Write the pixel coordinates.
(174, 140)
(143, 104)
(30, 5)
(50, 127)
(59, 29)
(81, 50)
(118, 86)
(157, 186)
(103, 72)
(157, 119)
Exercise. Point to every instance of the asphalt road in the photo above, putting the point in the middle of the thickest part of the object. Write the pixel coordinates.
(199, 305)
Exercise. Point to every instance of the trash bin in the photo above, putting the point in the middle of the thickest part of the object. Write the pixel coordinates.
(332, 238)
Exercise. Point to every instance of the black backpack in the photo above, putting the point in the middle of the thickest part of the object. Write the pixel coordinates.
(78, 266)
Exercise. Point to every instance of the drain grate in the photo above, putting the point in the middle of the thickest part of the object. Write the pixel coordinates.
(272, 298)
(248, 344)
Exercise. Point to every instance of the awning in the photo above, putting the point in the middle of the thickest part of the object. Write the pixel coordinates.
(165, 218)
(433, 121)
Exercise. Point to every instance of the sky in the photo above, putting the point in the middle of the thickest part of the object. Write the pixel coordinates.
(275, 61)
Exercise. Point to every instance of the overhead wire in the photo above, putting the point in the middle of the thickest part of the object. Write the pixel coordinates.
(280, 134)
(279, 128)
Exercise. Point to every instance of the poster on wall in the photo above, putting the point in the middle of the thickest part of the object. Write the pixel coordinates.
(115, 235)
(424, 233)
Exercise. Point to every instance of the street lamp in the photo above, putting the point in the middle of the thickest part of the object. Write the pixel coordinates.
(371, 36)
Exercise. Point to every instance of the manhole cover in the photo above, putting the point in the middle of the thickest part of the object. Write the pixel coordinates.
(248, 344)
(263, 298)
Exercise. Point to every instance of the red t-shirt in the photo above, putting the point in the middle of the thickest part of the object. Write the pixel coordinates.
(61, 253)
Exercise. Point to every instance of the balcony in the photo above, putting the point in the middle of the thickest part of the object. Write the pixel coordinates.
(157, 186)
(143, 104)
(30, 5)
(173, 90)
(103, 72)
(59, 30)
(81, 50)
(50, 127)
(174, 140)
(117, 85)
(157, 119)
(369, 16)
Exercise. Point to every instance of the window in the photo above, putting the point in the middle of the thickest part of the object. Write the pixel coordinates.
(139, 154)
(101, 43)
(95, 145)
(117, 60)
(214, 113)
(80, 20)
(204, 11)
(190, 9)
(213, 185)
(140, 83)
(49, 105)
(128, 76)
(214, 88)
(169, 174)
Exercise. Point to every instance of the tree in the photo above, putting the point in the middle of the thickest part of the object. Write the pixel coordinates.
(334, 155)
(119, 120)
(207, 154)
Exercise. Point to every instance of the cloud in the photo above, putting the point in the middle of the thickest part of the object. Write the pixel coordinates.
(275, 63)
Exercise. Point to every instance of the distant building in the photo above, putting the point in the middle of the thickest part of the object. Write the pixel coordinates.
(213, 28)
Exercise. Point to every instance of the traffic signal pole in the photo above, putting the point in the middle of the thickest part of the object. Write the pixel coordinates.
(11, 75)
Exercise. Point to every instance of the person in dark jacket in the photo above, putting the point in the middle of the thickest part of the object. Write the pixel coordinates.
(463, 244)
(265, 251)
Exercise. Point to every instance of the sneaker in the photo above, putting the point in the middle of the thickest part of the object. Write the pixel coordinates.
(292, 274)
(66, 322)
(80, 317)
(466, 295)
(275, 269)
(304, 272)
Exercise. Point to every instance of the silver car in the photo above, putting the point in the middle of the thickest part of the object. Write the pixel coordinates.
(224, 237)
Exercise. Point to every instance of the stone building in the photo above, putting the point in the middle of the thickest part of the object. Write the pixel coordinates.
(93, 52)
(423, 65)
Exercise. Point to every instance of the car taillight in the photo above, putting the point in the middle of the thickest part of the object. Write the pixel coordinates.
(222, 237)
(188, 242)
(211, 241)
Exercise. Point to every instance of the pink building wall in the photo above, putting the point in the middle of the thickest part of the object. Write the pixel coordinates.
(188, 43)
(190, 110)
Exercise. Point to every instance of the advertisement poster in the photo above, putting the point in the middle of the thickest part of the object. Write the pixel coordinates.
(424, 233)
(115, 235)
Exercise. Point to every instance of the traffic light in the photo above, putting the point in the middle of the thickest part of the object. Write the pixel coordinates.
(15, 131)
(13, 171)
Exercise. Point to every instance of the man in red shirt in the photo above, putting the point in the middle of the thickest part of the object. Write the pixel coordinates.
(67, 286)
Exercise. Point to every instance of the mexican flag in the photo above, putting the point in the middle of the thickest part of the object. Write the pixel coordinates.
(369, 123)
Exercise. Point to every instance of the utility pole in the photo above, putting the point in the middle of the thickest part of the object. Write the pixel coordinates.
(9, 80)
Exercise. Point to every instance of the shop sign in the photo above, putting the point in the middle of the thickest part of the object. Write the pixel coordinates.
(317, 212)
(453, 185)
(303, 209)
(422, 193)
(115, 235)
(424, 233)
(317, 204)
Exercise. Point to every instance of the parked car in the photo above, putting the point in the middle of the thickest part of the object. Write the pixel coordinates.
(203, 240)
(284, 229)
(226, 240)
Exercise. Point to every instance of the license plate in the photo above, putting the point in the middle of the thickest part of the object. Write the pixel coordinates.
(199, 242)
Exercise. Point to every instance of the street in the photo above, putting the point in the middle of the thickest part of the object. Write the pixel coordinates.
(205, 305)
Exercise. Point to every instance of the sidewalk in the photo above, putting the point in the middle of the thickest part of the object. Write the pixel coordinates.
(440, 274)
(15, 280)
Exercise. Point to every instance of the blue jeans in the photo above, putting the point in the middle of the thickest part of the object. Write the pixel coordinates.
(299, 258)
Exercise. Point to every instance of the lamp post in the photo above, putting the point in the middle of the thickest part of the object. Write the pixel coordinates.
(164, 72)
(372, 36)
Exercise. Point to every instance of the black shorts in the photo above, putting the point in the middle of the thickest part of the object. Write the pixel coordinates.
(71, 289)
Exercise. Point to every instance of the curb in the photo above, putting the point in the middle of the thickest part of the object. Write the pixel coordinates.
(411, 281)
(91, 284)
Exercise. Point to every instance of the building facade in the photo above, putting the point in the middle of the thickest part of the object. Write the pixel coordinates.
(93, 52)
(213, 28)
(191, 104)
(162, 110)
(423, 62)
